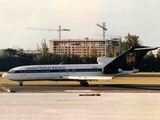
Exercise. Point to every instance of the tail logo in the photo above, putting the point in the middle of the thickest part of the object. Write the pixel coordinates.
(131, 58)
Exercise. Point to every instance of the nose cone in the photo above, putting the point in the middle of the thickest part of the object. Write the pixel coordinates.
(4, 75)
(9, 76)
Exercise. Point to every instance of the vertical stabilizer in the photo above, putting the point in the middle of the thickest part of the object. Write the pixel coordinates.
(130, 58)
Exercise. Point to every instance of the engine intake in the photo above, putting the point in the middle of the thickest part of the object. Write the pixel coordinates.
(111, 70)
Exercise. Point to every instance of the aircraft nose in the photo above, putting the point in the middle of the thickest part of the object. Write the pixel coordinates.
(4, 75)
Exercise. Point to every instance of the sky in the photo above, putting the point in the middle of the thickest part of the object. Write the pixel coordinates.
(137, 17)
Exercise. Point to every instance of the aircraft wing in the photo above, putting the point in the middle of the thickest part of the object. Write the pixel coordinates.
(88, 77)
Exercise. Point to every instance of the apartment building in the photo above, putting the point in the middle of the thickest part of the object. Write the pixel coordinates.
(84, 47)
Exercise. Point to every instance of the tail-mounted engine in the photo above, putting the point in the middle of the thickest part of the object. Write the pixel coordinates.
(111, 70)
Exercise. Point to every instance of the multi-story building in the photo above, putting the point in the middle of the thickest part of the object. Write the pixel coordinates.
(84, 47)
(31, 51)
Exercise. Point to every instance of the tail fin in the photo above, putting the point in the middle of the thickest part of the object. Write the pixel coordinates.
(128, 59)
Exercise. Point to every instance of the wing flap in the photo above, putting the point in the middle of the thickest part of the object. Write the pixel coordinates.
(88, 77)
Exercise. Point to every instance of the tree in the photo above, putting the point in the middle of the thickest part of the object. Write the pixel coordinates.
(44, 48)
(76, 59)
(9, 52)
(130, 40)
(44, 57)
(93, 52)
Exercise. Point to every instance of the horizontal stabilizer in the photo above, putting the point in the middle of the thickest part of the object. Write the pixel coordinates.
(147, 48)
(88, 77)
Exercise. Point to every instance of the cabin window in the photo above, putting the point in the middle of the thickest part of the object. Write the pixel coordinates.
(67, 70)
(73, 70)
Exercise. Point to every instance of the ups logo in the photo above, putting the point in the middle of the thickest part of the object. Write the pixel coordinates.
(131, 58)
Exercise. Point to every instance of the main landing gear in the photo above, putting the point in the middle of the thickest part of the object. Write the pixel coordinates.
(84, 83)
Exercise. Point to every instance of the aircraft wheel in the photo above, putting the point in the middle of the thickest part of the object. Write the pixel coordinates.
(84, 83)
(20, 84)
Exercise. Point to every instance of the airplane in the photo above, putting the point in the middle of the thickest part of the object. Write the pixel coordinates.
(106, 69)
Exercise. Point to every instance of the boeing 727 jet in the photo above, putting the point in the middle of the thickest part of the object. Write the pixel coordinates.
(106, 69)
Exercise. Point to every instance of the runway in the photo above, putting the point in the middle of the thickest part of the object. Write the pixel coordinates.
(71, 106)
(138, 99)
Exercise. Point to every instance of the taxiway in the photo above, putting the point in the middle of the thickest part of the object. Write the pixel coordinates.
(110, 88)
(135, 83)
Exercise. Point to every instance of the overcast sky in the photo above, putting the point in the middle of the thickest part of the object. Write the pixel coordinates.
(137, 17)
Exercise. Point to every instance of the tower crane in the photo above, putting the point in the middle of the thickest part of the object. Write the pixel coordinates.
(59, 30)
(104, 28)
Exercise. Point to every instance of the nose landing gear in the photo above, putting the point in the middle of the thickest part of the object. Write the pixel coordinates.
(20, 83)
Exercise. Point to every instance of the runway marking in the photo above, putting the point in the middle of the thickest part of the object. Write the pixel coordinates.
(78, 91)
(4, 88)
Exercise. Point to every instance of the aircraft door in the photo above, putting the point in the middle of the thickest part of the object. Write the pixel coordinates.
(22, 72)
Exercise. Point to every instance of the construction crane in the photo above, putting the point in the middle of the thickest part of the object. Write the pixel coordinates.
(104, 28)
(59, 30)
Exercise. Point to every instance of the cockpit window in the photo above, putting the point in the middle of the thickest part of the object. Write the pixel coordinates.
(11, 71)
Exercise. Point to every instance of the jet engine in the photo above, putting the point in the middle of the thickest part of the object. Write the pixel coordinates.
(111, 70)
